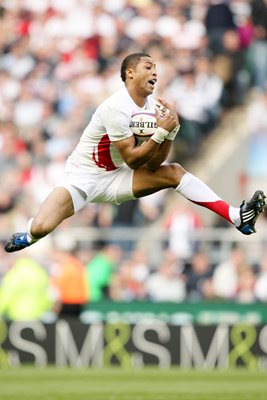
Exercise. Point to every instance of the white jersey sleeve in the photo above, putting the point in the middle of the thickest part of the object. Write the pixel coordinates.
(117, 123)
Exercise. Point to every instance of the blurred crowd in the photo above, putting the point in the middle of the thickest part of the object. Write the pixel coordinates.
(66, 284)
(60, 58)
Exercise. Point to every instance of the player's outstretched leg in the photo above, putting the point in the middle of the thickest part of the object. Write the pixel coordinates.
(57, 207)
(243, 217)
(249, 212)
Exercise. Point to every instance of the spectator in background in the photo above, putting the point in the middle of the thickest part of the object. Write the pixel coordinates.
(191, 33)
(197, 93)
(10, 90)
(218, 19)
(244, 23)
(124, 285)
(211, 86)
(184, 60)
(18, 61)
(225, 279)
(28, 110)
(167, 283)
(188, 99)
(246, 286)
(261, 281)
(259, 43)
(180, 224)
(141, 265)
(68, 277)
(150, 208)
(198, 277)
(100, 269)
(128, 281)
(238, 81)
(125, 217)
(26, 292)
(256, 167)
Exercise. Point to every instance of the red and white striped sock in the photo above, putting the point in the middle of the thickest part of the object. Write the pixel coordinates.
(199, 193)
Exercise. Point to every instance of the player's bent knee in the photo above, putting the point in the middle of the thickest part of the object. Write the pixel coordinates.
(40, 229)
(176, 173)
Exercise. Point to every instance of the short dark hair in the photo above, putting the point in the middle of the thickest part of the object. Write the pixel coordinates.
(131, 61)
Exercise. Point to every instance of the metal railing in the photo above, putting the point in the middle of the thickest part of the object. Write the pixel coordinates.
(217, 242)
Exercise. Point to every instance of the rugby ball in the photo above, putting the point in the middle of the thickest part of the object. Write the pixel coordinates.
(143, 123)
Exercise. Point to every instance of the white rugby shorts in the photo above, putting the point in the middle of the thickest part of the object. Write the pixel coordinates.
(108, 187)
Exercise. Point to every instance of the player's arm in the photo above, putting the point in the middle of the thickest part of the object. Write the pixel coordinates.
(134, 156)
(160, 155)
(163, 151)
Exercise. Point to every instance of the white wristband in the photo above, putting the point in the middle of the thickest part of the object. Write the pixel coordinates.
(173, 133)
(160, 135)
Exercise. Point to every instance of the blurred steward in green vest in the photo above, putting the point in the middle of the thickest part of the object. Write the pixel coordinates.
(25, 292)
(100, 269)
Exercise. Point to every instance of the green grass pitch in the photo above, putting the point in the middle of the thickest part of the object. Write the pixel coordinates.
(142, 384)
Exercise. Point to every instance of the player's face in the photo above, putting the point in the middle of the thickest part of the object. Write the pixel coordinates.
(145, 75)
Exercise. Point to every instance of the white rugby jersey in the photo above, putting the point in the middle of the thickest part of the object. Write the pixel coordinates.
(110, 122)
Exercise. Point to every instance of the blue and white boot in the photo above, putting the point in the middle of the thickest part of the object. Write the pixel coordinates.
(18, 241)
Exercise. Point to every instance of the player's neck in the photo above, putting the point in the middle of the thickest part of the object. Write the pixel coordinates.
(139, 99)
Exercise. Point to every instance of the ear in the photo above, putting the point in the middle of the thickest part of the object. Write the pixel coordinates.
(129, 73)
